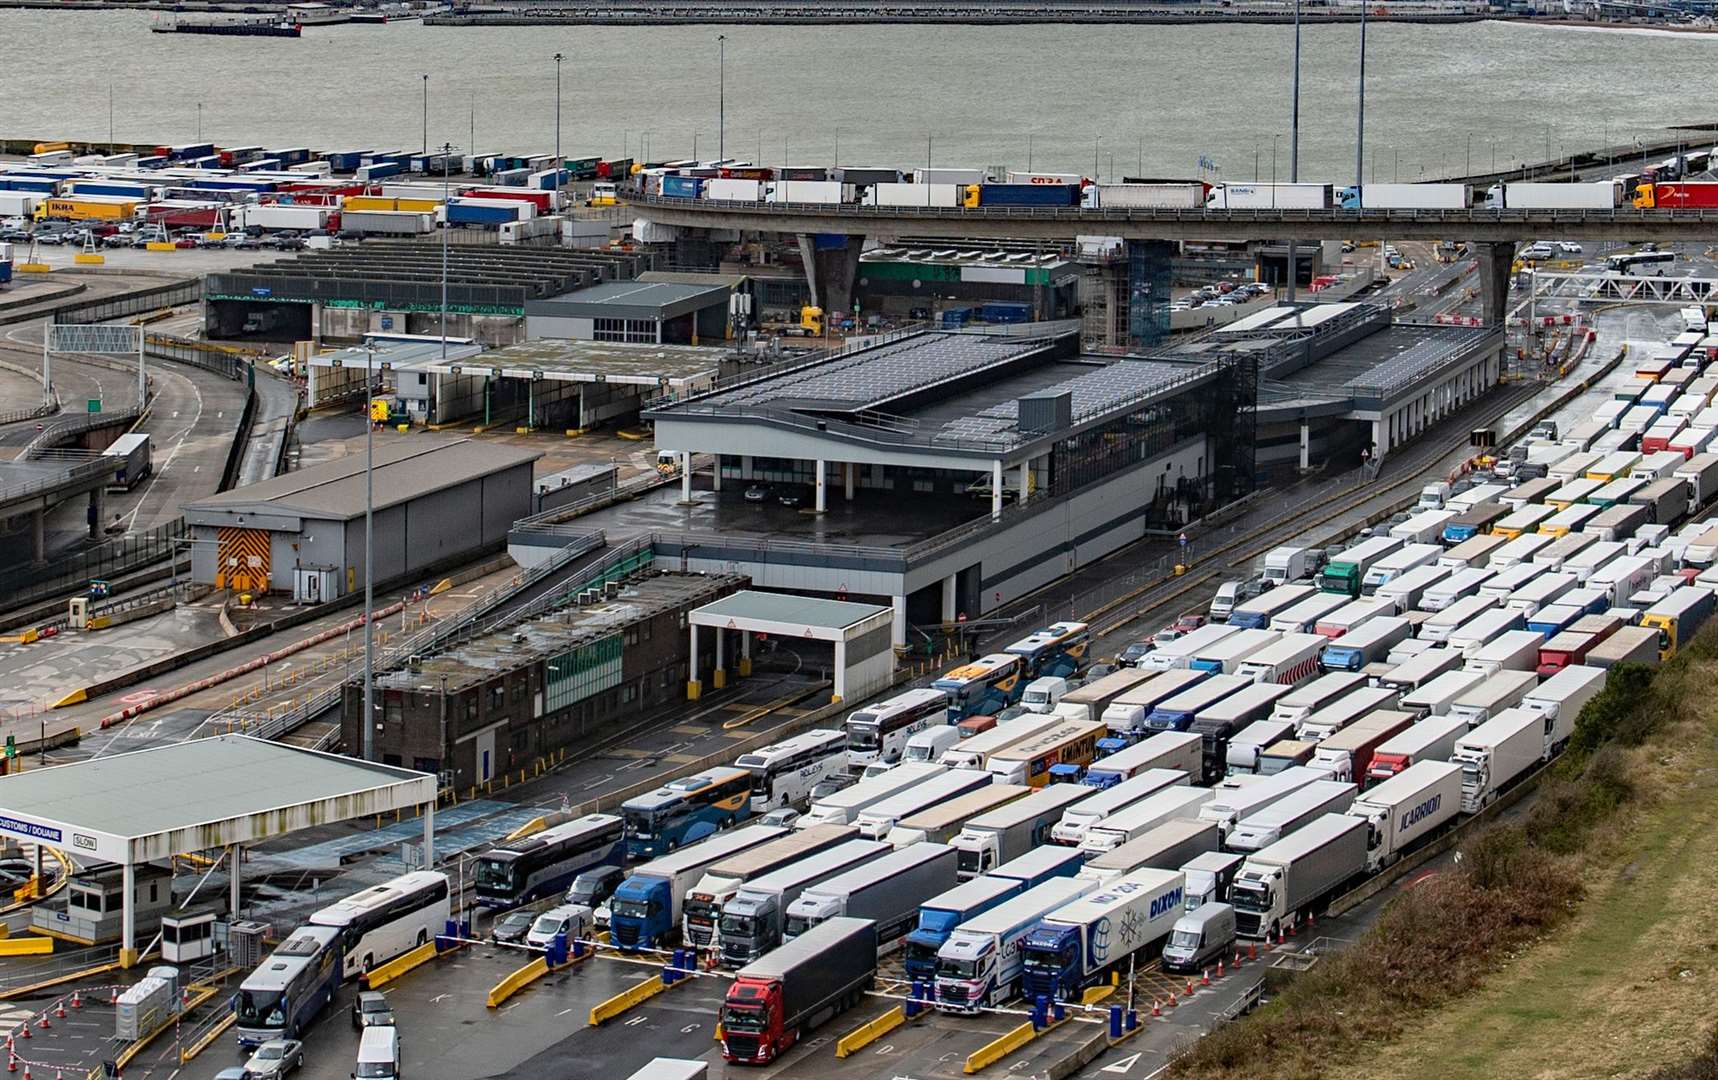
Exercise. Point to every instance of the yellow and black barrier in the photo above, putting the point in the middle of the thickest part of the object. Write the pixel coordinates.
(626, 999)
(383, 974)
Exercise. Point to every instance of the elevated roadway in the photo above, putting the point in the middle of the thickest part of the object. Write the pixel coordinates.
(1478, 225)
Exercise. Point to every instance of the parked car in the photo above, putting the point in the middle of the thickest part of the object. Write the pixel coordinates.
(511, 928)
(371, 1009)
(782, 817)
(275, 1058)
(758, 493)
(1134, 652)
(831, 784)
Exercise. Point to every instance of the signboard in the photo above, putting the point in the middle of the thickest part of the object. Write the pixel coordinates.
(94, 404)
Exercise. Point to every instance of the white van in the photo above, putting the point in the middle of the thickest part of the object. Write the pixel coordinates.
(930, 744)
(378, 1054)
(573, 920)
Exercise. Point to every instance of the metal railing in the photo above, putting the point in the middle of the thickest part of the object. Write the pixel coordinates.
(132, 303)
(73, 473)
(24, 585)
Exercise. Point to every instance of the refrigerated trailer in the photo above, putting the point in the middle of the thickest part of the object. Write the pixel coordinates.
(1283, 817)
(1496, 754)
(1407, 808)
(1073, 947)
(776, 998)
(1008, 832)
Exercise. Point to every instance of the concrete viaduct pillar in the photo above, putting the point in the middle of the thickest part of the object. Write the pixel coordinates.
(1495, 260)
(831, 269)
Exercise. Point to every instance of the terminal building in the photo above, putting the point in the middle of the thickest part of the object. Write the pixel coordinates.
(943, 473)
(1337, 379)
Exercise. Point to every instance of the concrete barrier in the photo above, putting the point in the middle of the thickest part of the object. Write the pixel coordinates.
(384, 974)
(516, 981)
(26, 946)
(866, 1034)
(999, 1048)
(626, 999)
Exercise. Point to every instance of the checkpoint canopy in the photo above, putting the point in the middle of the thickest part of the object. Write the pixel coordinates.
(861, 633)
(221, 792)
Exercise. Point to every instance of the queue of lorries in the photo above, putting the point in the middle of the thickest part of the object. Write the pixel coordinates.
(1231, 781)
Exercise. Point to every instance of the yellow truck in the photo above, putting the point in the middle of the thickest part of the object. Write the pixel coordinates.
(87, 208)
(384, 202)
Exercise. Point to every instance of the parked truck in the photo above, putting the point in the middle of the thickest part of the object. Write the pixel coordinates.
(1217, 724)
(1125, 717)
(1431, 739)
(1135, 821)
(1073, 947)
(1012, 830)
(1247, 747)
(1497, 753)
(939, 916)
(1165, 750)
(753, 921)
(778, 998)
(845, 806)
(1078, 818)
(1344, 573)
(1210, 877)
(1407, 808)
(887, 891)
(943, 822)
(1101, 692)
(702, 908)
(1493, 695)
(646, 909)
(1267, 826)
(1228, 805)
(1166, 847)
(979, 965)
(1295, 875)
(1560, 700)
(1290, 562)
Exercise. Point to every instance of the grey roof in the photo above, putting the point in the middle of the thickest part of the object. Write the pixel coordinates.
(872, 377)
(186, 784)
(573, 360)
(631, 300)
(687, 277)
(1093, 393)
(783, 608)
(405, 468)
(1384, 363)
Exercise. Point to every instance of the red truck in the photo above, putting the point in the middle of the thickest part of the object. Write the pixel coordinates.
(1687, 195)
(791, 990)
(544, 201)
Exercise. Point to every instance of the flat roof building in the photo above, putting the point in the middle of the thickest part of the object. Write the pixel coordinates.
(517, 691)
(436, 501)
(637, 312)
(968, 468)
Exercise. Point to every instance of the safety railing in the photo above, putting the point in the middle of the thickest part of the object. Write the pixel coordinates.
(24, 585)
(132, 303)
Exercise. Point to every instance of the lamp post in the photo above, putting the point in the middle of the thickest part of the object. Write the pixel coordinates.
(426, 114)
(369, 741)
(447, 151)
(1294, 145)
(721, 97)
(558, 158)
(199, 121)
(1360, 120)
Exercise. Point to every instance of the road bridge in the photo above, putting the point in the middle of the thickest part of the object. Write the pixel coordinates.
(1493, 234)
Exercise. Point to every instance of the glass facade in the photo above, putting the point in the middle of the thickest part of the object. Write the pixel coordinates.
(579, 673)
(636, 331)
(1149, 270)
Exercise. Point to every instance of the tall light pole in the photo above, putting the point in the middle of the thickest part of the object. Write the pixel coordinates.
(369, 741)
(1360, 122)
(721, 97)
(558, 158)
(110, 116)
(199, 121)
(447, 151)
(1294, 145)
(426, 114)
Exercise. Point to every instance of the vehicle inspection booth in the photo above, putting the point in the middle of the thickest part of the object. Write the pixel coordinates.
(862, 635)
(213, 795)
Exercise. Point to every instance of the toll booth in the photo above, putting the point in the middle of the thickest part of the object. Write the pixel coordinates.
(94, 903)
(190, 936)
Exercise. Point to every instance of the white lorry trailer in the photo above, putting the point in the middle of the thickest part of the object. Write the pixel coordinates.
(1405, 809)
(1293, 876)
(1495, 754)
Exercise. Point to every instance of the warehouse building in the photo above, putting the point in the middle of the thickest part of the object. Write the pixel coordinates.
(634, 312)
(396, 286)
(525, 691)
(436, 502)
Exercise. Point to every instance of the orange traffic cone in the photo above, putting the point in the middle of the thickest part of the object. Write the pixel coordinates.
(27, 1034)
(77, 1002)
(60, 1008)
(11, 1062)
(1219, 967)
(1189, 987)
(45, 1023)
(1156, 1007)
(1205, 976)
(113, 995)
